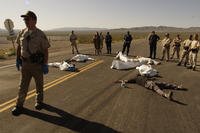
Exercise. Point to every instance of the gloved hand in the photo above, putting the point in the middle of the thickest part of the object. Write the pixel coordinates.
(18, 63)
(45, 69)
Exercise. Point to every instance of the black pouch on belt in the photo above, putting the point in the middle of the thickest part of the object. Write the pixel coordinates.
(37, 58)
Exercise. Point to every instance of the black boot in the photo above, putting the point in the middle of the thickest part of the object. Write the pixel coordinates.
(39, 105)
(16, 111)
(179, 64)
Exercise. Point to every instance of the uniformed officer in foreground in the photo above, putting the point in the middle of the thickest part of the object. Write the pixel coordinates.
(32, 60)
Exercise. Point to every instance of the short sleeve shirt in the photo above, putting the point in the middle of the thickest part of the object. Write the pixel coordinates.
(32, 42)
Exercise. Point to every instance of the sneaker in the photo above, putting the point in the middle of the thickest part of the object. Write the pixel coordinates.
(169, 95)
(16, 111)
(39, 106)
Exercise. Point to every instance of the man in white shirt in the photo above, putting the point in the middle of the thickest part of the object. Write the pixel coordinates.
(166, 46)
(194, 51)
(186, 50)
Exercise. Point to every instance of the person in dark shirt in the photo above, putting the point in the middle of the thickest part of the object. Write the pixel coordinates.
(127, 42)
(151, 84)
(108, 40)
(153, 39)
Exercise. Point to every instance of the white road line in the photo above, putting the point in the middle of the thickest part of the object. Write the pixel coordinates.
(7, 66)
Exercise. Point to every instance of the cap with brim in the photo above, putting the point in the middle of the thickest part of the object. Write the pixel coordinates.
(29, 14)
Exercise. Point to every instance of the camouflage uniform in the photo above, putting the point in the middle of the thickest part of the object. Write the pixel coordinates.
(156, 86)
(176, 47)
(31, 42)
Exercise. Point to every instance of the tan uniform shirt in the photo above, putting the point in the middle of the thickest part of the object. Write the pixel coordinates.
(187, 43)
(73, 38)
(32, 42)
(166, 42)
(195, 44)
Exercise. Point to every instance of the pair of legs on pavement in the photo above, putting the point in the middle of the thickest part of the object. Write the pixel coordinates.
(156, 86)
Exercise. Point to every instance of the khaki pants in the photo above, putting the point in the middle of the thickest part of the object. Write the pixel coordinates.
(193, 59)
(185, 55)
(165, 50)
(176, 49)
(28, 71)
(74, 45)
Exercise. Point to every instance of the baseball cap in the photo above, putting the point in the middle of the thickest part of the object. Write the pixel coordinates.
(29, 14)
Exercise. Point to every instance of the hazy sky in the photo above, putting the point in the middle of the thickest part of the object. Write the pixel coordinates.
(103, 13)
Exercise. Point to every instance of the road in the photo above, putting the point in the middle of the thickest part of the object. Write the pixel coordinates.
(89, 101)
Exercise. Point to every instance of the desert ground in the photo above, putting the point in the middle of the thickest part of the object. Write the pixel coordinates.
(89, 101)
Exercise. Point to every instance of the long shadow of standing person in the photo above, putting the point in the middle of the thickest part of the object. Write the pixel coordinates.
(69, 121)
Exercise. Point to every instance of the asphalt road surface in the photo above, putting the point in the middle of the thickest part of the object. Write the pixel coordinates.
(89, 101)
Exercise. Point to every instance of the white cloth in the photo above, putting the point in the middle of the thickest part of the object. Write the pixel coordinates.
(81, 58)
(122, 57)
(148, 61)
(117, 64)
(147, 70)
(63, 66)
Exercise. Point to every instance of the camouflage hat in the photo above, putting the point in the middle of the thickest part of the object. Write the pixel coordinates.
(29, 14)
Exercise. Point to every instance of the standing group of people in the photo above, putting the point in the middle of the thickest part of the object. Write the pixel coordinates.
(98, 43)
(190, 48)
(98, 40)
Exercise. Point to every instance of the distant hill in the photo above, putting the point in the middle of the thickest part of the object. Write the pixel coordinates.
(133, 29)
(77, 29)
(160, 29)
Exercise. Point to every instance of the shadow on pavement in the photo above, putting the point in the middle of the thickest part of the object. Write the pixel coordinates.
(178, 102)
(69, 121)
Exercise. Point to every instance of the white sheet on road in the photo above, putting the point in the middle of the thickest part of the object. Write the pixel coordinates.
(142, 60)
(122, 57)
(118, 64)
(63, 66)
(147, 70)
(124, 62)
(81, 58)
(149, 61)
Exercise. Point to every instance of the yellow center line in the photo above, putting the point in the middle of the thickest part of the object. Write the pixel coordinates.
(30, 94)
(33, 91)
